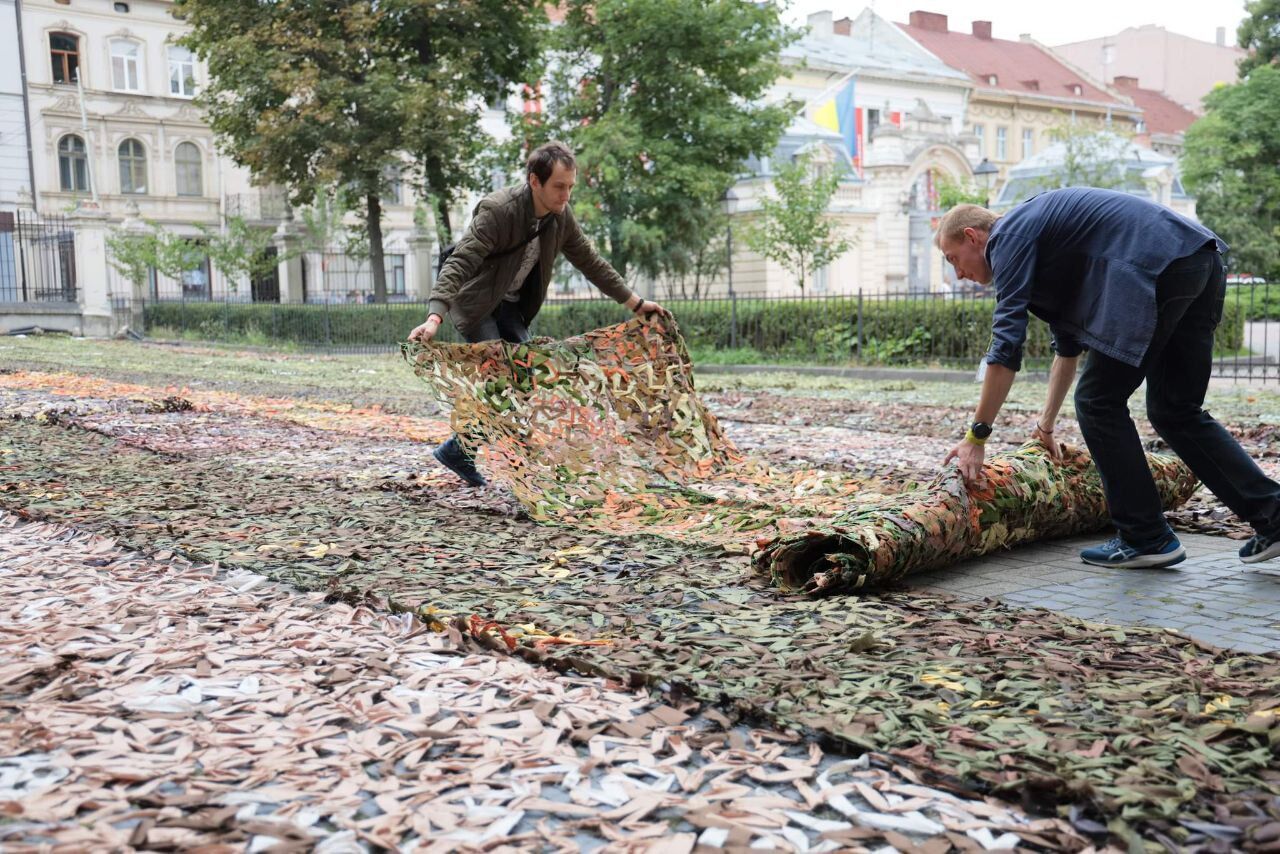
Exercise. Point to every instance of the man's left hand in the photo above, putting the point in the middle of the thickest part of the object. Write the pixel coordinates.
(648, 306)
(968, 457)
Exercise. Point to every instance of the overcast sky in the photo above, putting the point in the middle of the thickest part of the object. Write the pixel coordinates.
(1052, 23)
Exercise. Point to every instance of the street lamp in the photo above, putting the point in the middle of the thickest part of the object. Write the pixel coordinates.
(730, 202)
(986, 174)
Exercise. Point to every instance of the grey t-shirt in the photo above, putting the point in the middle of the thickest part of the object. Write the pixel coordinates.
(526, 264)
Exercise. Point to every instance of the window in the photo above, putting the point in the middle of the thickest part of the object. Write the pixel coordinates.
(73, 165)
(393, 192)
(1028, 142)
(187, 163)
(873, 122)
(124, 65)
(394, 264)
(182, 72)
(195, 282)
(133, 167)
(980, 131)
(1002, 143)
(993, 80)
(64, 52)
(121, 7)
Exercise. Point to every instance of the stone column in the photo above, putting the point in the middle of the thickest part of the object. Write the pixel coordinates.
(288, 240)
(92, 276)
(420, 272)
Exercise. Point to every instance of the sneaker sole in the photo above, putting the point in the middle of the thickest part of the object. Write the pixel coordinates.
(1144, 561)
(1268, 553)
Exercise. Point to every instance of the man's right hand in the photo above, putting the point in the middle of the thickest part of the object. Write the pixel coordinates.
(427, 330)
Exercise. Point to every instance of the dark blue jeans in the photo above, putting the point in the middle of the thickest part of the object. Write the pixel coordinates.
(1189, 297)
(507, 324)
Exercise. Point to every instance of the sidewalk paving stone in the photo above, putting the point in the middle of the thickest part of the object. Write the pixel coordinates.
(1211, 596)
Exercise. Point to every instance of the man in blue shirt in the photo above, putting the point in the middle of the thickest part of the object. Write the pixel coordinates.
(1142, 289)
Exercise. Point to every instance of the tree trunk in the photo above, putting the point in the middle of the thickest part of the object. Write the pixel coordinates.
(375, 246)
(437, 188)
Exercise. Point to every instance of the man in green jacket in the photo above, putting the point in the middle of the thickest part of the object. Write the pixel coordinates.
(496, 279)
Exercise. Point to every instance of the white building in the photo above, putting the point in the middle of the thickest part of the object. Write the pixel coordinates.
(15, 169)
(876, 101)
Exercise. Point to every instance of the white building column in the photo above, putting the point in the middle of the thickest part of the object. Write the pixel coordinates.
(419, 272)
(288, 239)
(92, 275)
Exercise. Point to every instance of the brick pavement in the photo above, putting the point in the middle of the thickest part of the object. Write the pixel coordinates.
(1211, 596)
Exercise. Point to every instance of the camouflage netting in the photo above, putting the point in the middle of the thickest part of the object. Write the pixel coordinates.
(605, 430)
(1027, 497)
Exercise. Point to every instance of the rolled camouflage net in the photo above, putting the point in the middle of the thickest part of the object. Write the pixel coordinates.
(605, 430)
(1027, 497)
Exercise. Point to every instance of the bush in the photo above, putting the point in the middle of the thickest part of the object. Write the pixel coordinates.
(894, 330)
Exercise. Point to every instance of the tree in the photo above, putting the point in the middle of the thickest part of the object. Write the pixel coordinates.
(310, 93)
(951, 192)
(134, 254)
(1230, 164)
(1259, 35)
(662, 101)
(794, 229)
(1090, 158)
(240, 251)
(691, 264)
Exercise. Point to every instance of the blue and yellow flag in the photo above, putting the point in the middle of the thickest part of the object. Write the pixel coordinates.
(840, 115)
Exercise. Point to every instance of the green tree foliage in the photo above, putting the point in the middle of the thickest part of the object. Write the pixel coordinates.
(309, 93)
(135, 253)
(1231, 163)
(662, 100)
(794, 229)
(951, 192)
(1259, 34)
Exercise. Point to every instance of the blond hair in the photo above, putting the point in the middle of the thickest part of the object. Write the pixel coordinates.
(956, 220)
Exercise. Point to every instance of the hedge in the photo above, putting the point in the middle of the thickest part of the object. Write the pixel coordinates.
(893, 330)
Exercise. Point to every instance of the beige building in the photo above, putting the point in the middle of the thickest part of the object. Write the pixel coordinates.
(1021, 90)
(1183, 68)
(117, 141)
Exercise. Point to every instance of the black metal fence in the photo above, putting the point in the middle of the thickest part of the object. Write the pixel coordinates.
(893, 329)
(37, 258)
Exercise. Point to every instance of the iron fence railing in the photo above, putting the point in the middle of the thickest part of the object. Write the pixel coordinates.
(37, 258)
(902, 329)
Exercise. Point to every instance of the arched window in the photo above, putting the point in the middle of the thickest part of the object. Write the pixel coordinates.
(124, 65)
(64, 53)
(133, 167)
(73, 165)
(187, 162)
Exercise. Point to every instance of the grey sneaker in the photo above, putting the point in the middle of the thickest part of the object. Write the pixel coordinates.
(1259, 548)
(456, 460)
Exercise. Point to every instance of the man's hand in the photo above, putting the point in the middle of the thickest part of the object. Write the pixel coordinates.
(1045, 437)
(968, 457)
(642, 306)
(426, 331)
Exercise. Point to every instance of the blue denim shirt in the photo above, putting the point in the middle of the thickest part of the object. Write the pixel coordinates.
(1086, 261)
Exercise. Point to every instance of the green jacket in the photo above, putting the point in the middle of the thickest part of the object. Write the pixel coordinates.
(471, 285)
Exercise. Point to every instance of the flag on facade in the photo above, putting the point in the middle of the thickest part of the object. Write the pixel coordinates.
(840, 115)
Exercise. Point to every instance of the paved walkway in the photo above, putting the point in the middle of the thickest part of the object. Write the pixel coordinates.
(1210, 596)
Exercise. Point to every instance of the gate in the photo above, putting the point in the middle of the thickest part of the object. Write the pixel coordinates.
(37, 258)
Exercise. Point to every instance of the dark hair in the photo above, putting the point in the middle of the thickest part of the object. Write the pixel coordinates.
(542, 162)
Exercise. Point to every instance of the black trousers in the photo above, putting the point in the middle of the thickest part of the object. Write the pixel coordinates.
(507, 324)
(1189, 298)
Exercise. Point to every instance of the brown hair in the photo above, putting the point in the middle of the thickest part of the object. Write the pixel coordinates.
(956, 220)
(542, 162)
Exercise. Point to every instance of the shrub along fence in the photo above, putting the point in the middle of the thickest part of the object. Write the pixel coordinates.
(879, 329)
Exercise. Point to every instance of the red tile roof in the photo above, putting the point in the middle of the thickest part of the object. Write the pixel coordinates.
(1019, 67)
(1161, 113)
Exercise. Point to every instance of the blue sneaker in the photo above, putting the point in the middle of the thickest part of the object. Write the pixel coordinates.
(1116, 552)
(1259, 548)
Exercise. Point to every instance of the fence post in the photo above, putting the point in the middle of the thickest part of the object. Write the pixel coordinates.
(858, 325)
(328, 329)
